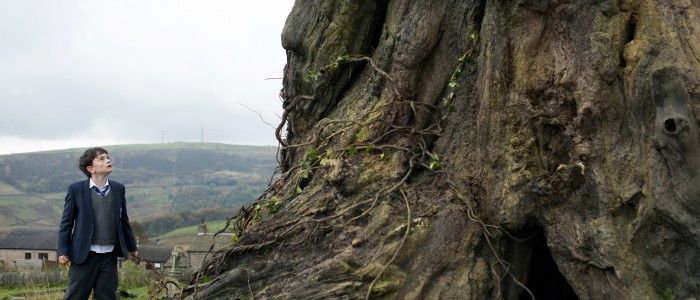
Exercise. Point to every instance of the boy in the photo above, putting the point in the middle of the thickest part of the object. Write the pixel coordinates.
(94, 230)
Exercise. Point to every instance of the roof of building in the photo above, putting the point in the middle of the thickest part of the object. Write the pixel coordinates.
(155, 253)
(35, 238)
(202, 243)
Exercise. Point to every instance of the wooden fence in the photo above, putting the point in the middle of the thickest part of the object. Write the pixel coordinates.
(32, 278)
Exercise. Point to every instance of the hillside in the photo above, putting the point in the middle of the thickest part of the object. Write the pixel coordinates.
(168, 185)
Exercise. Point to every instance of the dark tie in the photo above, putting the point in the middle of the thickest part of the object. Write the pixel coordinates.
(102, 192)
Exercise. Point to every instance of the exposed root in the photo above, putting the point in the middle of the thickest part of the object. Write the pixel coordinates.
(396, 253)
(487, 236)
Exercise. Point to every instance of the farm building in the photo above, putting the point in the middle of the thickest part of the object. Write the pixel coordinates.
(28, 248)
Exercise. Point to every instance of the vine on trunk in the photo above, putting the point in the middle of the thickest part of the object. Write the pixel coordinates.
(318, 156)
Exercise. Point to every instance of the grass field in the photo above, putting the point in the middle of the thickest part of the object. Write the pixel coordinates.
(6, 189)
(191, 231)
(52, 293)
(32, 292)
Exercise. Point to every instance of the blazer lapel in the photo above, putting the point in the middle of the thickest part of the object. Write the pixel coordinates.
(117, 201)
(86, 198)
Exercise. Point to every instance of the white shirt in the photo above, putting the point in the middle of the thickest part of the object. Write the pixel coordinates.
(101, 248)
(93, 184)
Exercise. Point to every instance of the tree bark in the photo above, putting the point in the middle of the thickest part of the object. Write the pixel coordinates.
(480, 150)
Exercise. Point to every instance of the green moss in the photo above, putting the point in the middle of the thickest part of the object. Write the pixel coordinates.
(370, 172)
(385, 287)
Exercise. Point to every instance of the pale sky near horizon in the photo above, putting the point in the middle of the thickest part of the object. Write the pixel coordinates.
(81, 73)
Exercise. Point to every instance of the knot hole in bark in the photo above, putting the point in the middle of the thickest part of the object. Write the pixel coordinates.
(670, 126)
(675, 125)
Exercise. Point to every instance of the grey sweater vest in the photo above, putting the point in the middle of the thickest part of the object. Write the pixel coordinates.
(105, 231)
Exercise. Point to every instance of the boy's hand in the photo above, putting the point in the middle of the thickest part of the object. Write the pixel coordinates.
(134, 255)
(63, 259)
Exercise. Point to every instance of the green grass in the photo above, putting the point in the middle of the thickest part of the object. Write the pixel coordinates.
(32, 292)
(52, 196)
(141, 292)
(22, 199)
(6, 189)
(212, 226)
(25, 213)
(55, 292)
(35, 209)
(132, 278)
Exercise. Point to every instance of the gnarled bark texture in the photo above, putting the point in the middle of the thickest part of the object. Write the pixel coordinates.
(482, 150)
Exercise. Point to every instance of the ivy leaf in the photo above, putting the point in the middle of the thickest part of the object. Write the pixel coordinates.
(298, 190)
(434, 165)
(315, 75)
(324, 162)
(273, 205)
(452, 84)
(313, 154)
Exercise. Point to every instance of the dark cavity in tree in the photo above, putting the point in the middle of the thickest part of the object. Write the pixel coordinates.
(670, 126)
(544, 279)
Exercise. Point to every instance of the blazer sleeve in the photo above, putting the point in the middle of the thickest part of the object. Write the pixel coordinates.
(126, 227)
(65, 228)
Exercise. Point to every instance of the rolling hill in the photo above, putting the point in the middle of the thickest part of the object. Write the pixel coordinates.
(168, 185)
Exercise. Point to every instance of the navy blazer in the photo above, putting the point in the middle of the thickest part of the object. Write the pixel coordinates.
(76, 228)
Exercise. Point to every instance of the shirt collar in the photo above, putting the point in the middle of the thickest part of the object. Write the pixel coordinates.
(92, 183)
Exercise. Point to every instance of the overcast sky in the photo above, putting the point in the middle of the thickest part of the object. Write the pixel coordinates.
(80, 73)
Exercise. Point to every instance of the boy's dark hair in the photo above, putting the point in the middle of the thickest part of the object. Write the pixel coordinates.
(88, 156)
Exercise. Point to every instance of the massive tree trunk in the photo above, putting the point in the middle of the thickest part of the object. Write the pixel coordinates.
(480, 150)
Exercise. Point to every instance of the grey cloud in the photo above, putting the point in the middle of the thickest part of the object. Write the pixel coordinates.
(131, 70)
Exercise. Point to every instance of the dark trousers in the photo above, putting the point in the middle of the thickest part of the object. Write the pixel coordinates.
(98, 273)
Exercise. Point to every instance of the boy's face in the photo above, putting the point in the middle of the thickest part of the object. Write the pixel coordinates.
(101, 165)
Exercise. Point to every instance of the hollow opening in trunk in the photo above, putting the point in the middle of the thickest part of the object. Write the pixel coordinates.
(544, 279)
